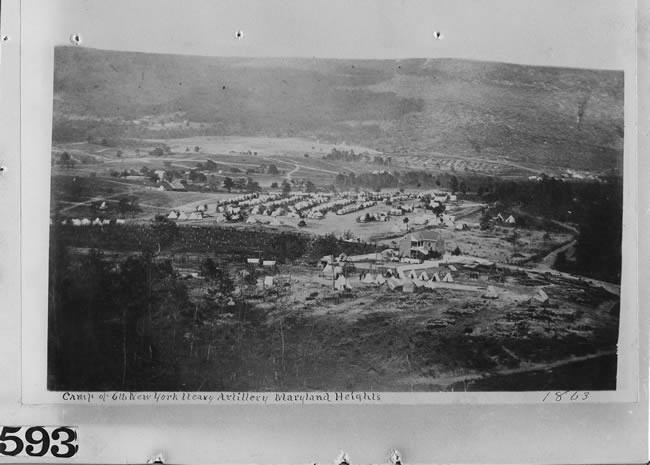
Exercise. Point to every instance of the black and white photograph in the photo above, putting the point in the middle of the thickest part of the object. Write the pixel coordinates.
(335, 232)
(312, 224)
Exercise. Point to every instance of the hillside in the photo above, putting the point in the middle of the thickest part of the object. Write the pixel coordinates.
(542, 116)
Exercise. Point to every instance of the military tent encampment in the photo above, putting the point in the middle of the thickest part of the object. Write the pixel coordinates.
(182, 216)
(172, 215)
(340, 283)
(448, 278)
(368, 279)
(424, 276)
(436, 277)
(379, 280)
(328, 269)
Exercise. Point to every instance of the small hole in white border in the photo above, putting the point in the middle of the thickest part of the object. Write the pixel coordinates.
(5, 38)
(3, 169)
(239, 35)
(75, 38)
(437, 35)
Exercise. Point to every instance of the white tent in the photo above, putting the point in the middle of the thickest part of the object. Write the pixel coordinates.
(103, 206)
(380, 280)
(436, 277)
(182, 216)
(76, 222)
(453, 268)
(541, 296)
(340, 283)
(106, 222)
(430, 284)
(368, 279)
(510, 220)
(268, 281)
(448, 278)
(394, 283)
(328, 269)
(85, 222)
(120, 221)
(195, 216)
(491, 293)
(338, 270)
(97, 222)
(424, 276)
(412, 275)
(172, 215)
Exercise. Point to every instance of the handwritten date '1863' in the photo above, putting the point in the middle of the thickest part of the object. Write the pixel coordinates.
(566, 396)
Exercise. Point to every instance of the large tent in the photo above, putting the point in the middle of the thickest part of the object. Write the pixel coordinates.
(448, 278)
(412, 275)
(541, 296)
(342, 283)
(394, 283)
(436, 277)
(380, 280)
(368, 279)
(424, 276)
(491, 293)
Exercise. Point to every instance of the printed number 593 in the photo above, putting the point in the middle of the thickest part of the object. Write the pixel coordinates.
(38, 441)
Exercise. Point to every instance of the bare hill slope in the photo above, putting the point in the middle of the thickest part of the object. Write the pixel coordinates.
(545, 116)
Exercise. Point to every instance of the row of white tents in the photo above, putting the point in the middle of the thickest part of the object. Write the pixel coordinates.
(180, 215)
(87, 222)
(412, 277)
(509, 220)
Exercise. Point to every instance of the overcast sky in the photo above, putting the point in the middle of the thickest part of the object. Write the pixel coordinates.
(579, 33)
